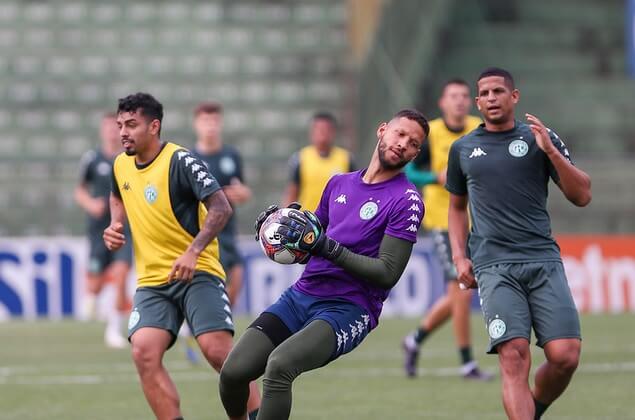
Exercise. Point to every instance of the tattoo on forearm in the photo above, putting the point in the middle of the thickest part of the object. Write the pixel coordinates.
(218, 213)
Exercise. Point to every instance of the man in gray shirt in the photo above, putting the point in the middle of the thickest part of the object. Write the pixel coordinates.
(504, 168)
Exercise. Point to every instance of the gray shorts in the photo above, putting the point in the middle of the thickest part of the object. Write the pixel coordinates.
(444, 253)
(203, 303)
(517, 297)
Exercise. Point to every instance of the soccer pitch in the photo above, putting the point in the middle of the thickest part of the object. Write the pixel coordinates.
(61, 370)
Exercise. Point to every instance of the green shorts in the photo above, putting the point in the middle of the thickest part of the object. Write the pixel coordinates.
(517, 297)
(203, 304)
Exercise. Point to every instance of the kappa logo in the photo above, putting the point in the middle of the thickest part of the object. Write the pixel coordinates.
(196, 167)
(413, 218)
(182, 153)
(414, 197)
(414, 207)
(477, 152)
(207, 182)
(412, 228)
(341, 199)
(410, 191)
(126, 186)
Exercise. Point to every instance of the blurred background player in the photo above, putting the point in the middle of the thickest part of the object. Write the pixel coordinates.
(429, 170)
(313, 165)
(225, 164)
(103, 265)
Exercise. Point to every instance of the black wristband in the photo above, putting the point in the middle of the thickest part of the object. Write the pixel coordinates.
(332, 249)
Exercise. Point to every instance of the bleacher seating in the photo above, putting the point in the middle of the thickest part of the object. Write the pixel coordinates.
(568, 59)
(63, 63)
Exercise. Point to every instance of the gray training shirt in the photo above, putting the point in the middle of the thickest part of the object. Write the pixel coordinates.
(505, 175)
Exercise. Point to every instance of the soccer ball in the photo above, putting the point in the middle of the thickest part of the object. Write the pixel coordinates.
(270, 241)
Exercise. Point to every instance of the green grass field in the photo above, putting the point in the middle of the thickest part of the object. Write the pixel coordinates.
(61, 370)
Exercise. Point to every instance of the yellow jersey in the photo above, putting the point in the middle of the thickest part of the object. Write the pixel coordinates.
(436, 197)
(311, 171)
(163, 202)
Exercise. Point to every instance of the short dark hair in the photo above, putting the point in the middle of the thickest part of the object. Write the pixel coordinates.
(325, 116)
(209, 107)
(454, 81)
(416, 116)
(145, 103)
(497, 71)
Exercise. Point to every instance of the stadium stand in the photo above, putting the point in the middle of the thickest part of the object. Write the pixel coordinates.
(568, 58)
(271, 64)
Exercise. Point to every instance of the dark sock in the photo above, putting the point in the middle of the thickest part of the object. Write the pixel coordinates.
(466, 354)
(540, 409)
(178, 418)
(420, 335)
(253, 414)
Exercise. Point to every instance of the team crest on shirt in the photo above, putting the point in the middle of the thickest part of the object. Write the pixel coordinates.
(497, 328)
(368, 210)
(518, 148)
(227, 165)
(103, 168)
(150, 193)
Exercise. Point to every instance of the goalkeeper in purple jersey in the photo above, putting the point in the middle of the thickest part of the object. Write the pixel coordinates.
(360, 239)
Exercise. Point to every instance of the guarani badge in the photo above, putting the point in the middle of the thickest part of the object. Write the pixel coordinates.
(518, 148)
(368, 210)
(150, 193)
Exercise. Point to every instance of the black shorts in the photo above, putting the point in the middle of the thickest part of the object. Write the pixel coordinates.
(230, 256)
(100, 257)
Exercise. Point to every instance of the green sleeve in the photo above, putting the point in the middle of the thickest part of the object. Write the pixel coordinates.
(419, 177)
(383, 271)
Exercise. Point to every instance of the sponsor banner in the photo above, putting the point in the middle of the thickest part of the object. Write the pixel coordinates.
(601, 271)
(44, 277)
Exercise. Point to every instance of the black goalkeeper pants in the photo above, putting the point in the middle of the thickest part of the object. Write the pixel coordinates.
(255, 354)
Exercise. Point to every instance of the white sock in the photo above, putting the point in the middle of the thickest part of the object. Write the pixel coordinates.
(113, 325)
(90, 306)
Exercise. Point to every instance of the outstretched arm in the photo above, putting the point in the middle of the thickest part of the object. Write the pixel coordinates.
(383, 271)
(574, 183)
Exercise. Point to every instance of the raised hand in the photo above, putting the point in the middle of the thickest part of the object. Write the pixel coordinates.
(540, 133)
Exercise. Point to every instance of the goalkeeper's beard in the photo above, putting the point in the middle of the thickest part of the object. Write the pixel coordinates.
(381, 153)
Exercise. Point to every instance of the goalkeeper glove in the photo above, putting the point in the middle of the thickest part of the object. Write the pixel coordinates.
(303, 231)
(268, 212)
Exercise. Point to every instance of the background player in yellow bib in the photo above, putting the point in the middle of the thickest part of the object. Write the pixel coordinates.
(454, 123)
(313, 165)
(175, 209)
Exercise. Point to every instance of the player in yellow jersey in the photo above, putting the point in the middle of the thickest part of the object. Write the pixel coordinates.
(313, 165)
(175, 209)
(455, 122)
